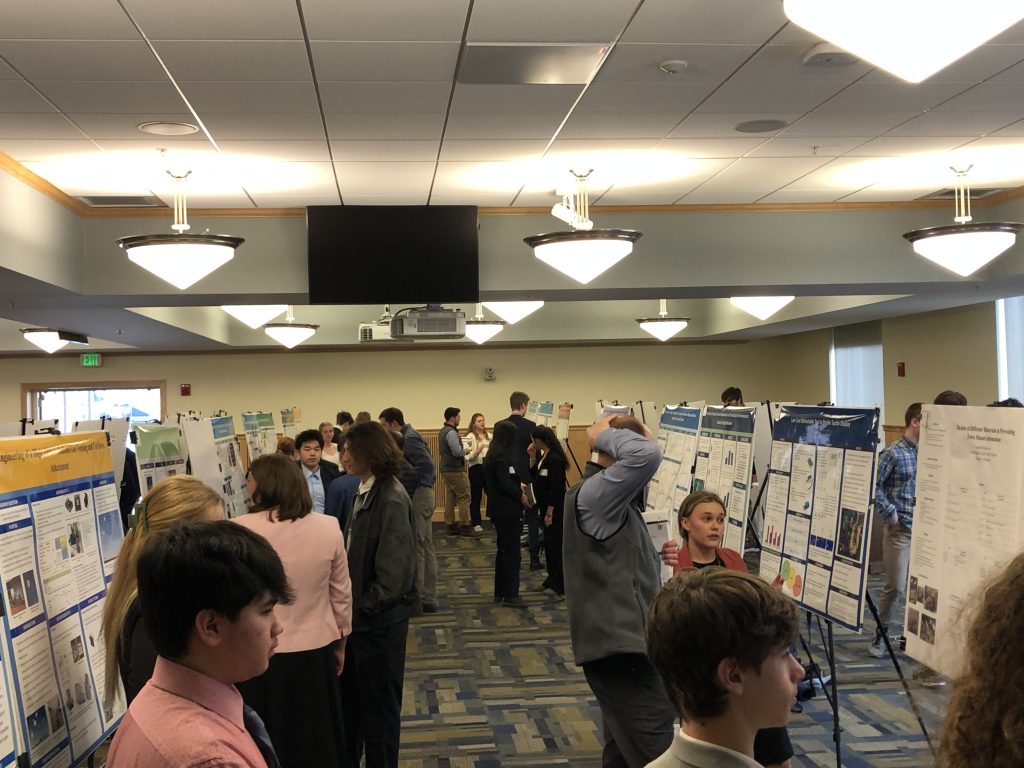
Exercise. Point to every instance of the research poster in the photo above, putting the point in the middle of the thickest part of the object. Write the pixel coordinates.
(541, 412)
(291, 421)
(967, 522)
(118, 430)
(818, 506)
(723, 465)
(677, 438)
(213, 451)
(159, 453)
(54, 566)
(260, 433)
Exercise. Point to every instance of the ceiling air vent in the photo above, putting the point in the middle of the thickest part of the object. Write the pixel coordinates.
(975, 193)
(123, 201)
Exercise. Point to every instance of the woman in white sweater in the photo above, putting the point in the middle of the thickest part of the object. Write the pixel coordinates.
(477, 440)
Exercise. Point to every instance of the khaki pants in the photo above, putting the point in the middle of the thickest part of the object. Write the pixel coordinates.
(896, 558)
(456, 491)
(426, 561)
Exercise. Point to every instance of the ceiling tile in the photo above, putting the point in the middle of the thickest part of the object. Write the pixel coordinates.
(222, 20)
(65, 19)
(340, 96)
(296, 199)
(708, 195)
(709, 125)
(897, 146)
(385, 150)
(677, 98)
(455, 178)
(316, 178)
(710, 148)
(892, 97)
(841, 124)
(251, 97)
(567, 21)
(82, 59)
(697, 21)
(407, 198)
(292, 126)
(602, 146)
(418, 126)
(841, 175)
(988, 97)
(19, 96)
(438, 20)
(234, 59)
(800, 196)
(1013, 130)
(819, 146)
(293, 151)
(938, 123)
(388, 62)
(147, 142)
(977, 65)
(471, 198)
(876, 195)
(491, 149)
(140, 98)
(762, 174)
(636, 63)
(514, 98)
(197, 202)
(785, 62)
(530, 64)
(529, 125)
(27, 150)
(768, 97)
(619, 125)
(37, 126)
(384, 179)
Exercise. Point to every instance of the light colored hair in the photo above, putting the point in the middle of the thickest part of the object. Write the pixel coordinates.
(182, 497)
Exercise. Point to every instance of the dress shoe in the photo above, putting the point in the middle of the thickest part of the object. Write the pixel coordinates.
(452, 529)
(467, 532)
(536, 565)
(429, 607)
(514, 602)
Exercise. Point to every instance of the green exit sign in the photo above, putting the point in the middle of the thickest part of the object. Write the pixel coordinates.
(92, 360)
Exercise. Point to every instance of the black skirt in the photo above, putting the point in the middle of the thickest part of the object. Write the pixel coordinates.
(300, 704)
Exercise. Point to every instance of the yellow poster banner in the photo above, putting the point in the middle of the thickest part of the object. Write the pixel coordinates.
(43, 460)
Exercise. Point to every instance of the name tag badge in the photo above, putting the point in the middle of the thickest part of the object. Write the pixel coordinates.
(543, 473)
(511, 470)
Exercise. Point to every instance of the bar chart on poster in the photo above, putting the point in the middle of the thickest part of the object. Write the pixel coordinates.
(724, 464)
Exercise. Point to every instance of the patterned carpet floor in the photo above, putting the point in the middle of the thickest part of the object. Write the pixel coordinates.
(487, 686)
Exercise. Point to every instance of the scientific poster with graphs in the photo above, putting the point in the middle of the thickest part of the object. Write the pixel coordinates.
(55, 562)
(260, 433)
(291, 421)
(817, 525)
(213, 451)
(967, 523)
(677, 438)
(541, 412)
(723, 465)
(159, 453)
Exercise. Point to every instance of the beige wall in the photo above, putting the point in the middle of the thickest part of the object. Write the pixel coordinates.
(950, 349)
(424, 382)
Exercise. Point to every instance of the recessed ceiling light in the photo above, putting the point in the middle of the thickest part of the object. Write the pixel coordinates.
(760, 126)
(163, 128)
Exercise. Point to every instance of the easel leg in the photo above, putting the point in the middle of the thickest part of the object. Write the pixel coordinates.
(836, 730)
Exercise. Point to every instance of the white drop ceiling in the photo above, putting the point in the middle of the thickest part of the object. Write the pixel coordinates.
(483, 102)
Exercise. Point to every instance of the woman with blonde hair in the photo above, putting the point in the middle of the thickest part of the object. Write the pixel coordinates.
(330, 452)
(985, 717)
(128, 648)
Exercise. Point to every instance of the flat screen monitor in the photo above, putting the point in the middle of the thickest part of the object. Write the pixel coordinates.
(386, 254)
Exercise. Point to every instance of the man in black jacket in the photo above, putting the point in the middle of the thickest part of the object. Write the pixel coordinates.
(318, 474)
(518, 401)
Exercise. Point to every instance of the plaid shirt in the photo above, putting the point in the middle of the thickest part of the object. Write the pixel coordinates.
(896, 482)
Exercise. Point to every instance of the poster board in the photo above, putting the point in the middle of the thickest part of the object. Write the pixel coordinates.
(59, 538)
(28, 427)
(967, 521)
(766, 413)
(723, 465)
(291, 421)
(159, 453)
(118, 430)
(216, 460)
(260, 433)
(818, 509)
(677, 438)
(541, 412)
(647, 412)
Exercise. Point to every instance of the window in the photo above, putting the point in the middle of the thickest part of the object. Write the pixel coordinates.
(1010, 347)
(855, 365)
(140, 402)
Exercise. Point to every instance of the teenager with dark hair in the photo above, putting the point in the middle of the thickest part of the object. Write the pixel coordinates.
(519, 403)
(505, 508)
(381, 536)
(733, 677)
(732, 396)
(319, 475)
(548, 467)
(950, 397)
(208, 592)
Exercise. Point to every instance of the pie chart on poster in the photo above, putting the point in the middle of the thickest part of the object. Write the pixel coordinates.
(798, 585)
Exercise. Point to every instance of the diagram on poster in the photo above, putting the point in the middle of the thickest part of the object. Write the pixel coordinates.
(260, 433)
(213, 451)
(724, 464)
(53, 492)
(967, 522)
(817, 524)
(158, 453)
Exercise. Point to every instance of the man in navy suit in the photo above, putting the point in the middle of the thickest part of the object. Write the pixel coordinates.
(319, 474)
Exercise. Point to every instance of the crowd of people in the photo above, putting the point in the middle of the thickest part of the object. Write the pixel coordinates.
(279, 638)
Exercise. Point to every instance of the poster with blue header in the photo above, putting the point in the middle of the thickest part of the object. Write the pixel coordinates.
(817, 524)
(677, 438)
(724, 463)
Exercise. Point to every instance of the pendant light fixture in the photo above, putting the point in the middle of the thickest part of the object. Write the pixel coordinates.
(50, 340)
(179, 258)
(255, 315)
(513, 311)
(289, 333)
(966, 246)
(912, 39)
(761, 307)
(585, 252)
(481, 330)
(663, 327)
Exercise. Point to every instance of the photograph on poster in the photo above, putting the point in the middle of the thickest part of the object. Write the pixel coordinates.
(60, 546)
(74, 539)
(851, 533)
(16, 595)
(77, 649)
(928, 629)
(31, 593)
(913, 622)
(912, 592)
(55, 712)
(38, 726)
(111, 534)
(931, 599)
(69, 505)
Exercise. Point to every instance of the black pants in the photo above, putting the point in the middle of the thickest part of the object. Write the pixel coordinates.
(553, 553)
(371, 694)
(635, 709)
(533, 533)
(508, 526)
(476, 492)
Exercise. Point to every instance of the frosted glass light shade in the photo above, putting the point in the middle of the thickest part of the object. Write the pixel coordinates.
(513, 311)
(663, 328)
(255, 315)
(289, 334)
(583, 255)
(761, 307)
(45, 339)
(964, 248)
(912, 39)
(483, 330)
(181, 260)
